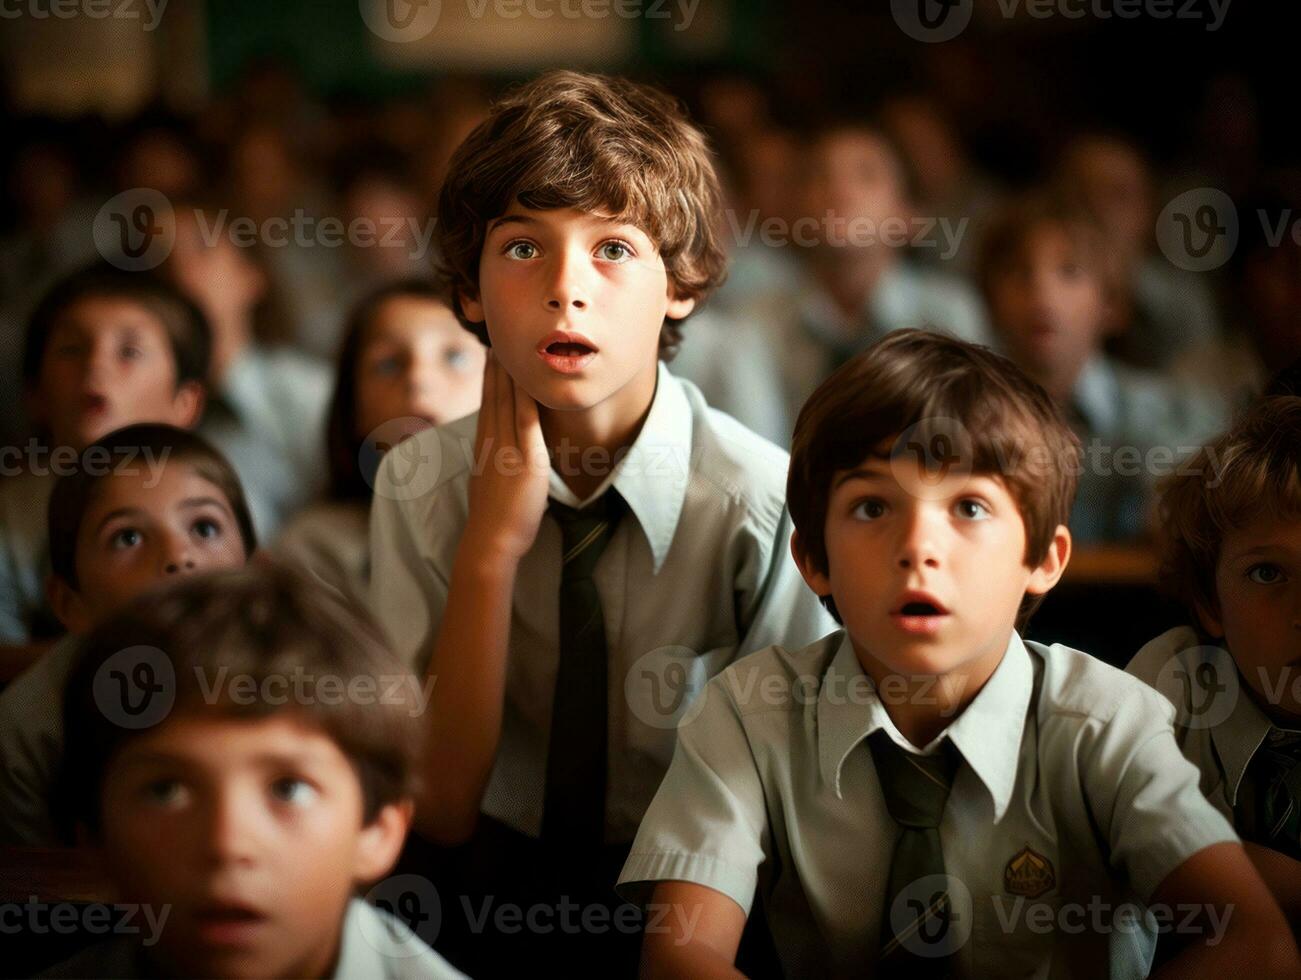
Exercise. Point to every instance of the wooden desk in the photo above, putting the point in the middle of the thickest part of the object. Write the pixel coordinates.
(52, 874)
(1112, 565)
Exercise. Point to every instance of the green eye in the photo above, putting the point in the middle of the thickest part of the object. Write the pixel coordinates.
(615, 251)
(521, 250)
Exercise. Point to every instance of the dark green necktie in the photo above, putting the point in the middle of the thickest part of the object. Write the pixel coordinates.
(1269, 811)
(916, 788)
(574, 806)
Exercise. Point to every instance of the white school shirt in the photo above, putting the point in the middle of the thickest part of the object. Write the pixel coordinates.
(697, 573)
(1132, 418)
(1072, 796)
(331, 540)
(269, 422)
(1217, 723)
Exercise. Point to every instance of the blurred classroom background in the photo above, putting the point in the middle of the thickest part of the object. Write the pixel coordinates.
(319, 114)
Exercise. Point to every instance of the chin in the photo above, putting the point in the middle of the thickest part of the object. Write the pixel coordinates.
(921, 660)
(564, 394)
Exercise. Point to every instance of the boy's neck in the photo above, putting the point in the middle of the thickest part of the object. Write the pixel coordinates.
(850, 275)
(586, 445)
(1059, 380)
(922, 707)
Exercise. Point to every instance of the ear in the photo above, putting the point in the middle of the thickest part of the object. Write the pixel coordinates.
(472, 307)
(69, 605)
(187, 405)
(381, 841)
(1209, 617)
(813, 578)
(679, 306)
(1050, 570)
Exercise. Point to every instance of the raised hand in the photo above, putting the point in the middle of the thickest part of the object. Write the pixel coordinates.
(508, 488)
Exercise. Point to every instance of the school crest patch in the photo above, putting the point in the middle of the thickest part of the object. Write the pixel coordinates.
(1029, 874)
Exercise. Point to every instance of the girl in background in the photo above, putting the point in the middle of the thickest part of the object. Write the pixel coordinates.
(405, 365)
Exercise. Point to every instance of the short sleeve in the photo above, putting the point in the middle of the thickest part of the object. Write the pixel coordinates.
(708, 822)
(1146, 796)
(407, 595)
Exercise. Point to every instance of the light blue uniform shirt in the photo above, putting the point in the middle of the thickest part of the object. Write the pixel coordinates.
(1072, 796)
(697, 574)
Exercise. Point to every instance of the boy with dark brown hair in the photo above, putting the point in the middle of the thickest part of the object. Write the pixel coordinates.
(923, 793)
(576, 560)
(252, 771)
(1231, 541)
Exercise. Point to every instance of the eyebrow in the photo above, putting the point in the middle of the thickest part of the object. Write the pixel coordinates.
(527, 219)
(861, 473)
(1260, 549)
(189, 503)
(263, 760)
(511, 219)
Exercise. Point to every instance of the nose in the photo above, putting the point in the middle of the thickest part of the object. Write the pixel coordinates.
(918, 541)
(178, 559)
(99, 361)
(422, 372)
(565, 289)
(231, 832)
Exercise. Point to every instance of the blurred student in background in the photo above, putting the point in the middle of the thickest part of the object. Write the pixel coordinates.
(266, 407)
(1046, 277)
(405, 365)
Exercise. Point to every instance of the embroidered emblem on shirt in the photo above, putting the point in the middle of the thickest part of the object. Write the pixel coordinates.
(1029, 874)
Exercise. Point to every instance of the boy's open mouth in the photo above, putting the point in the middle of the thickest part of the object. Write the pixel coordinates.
(568, 350)
(226, 924)
(565, 351)
(918, 612)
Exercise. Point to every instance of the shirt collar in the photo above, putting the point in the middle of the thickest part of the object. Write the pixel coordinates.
(652, 476)
(372, 940)
(1239, 736)
(988, 733)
